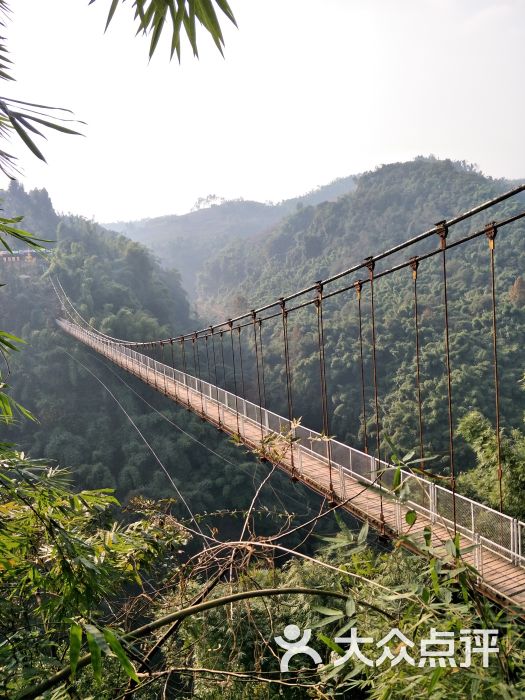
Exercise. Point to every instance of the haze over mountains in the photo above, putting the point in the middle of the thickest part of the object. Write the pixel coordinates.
(188, 241)
(230, 253)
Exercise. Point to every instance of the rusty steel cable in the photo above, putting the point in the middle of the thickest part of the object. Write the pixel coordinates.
(358, 288)
(385, 254)
(163, 367)
(153, 352)
(216, 378)
(173, 368)
(221, 336)
(288, 373)
(235, 381)
(257, 366)
(370, 264)
(206, 344)
(414, 266)
(442, 230)
(183, 354)
(197, 366)
(322, 374)
(243, 385)
(491, 232)
(262, 364)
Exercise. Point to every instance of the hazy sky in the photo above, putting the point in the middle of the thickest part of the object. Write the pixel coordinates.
(308, 91)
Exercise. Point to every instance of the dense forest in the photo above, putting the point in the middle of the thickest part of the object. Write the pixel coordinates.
(119, 287)
(388, 206)
(106, 579)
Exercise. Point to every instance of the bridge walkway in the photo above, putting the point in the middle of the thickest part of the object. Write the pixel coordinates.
(501, 569)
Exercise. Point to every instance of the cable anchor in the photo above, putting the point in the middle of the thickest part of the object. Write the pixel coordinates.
(414, 264)
(442, 232)
(491, 231)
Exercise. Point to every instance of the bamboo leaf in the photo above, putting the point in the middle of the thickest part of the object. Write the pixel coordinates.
(326, 621)
(98, 637)
(363, 533)
(227, 10)
(75, 643)
(96, 657)
(330, 644)
(111, 12)
(350, 606)
(397, 479)
(328, 611)
(410, 517)
(27, 140)
(116, 647)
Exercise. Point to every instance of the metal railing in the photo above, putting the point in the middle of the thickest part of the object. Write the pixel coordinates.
(487, 528)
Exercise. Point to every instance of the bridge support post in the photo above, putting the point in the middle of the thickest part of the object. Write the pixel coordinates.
(243, 417)
(477, 556)
(515, 542)
(300, 455)
(399, 521)
(342, 482)
(433, 503)
(480, 556)
(373, 469)
(520, 554)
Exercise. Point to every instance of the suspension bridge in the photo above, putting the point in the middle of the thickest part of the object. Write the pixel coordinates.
(422, 509)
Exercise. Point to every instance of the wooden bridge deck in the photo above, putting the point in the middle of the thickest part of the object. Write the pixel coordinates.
(499, 579)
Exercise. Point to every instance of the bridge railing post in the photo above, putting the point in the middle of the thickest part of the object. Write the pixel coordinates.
(300, 455)
(399, 520)
(480, 548)
(515, 542)
(519, 559)
(477, 556)
(342, 482)
(373, 469)
(243, 416)
(433, 503)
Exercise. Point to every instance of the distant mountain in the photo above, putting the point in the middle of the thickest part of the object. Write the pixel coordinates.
(385, 206)
(389, 205)
(188, 241)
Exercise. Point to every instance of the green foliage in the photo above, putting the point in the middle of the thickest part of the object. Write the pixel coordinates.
(388, 206)
(480, 481)
(63, 559)
(383, 590)
(117, 285)
(9, 229)
(151, 17)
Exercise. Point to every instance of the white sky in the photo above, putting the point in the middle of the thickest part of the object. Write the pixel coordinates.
(310, 90)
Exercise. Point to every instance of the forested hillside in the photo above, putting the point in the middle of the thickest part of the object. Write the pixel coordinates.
(116, 284)
(388, 206)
